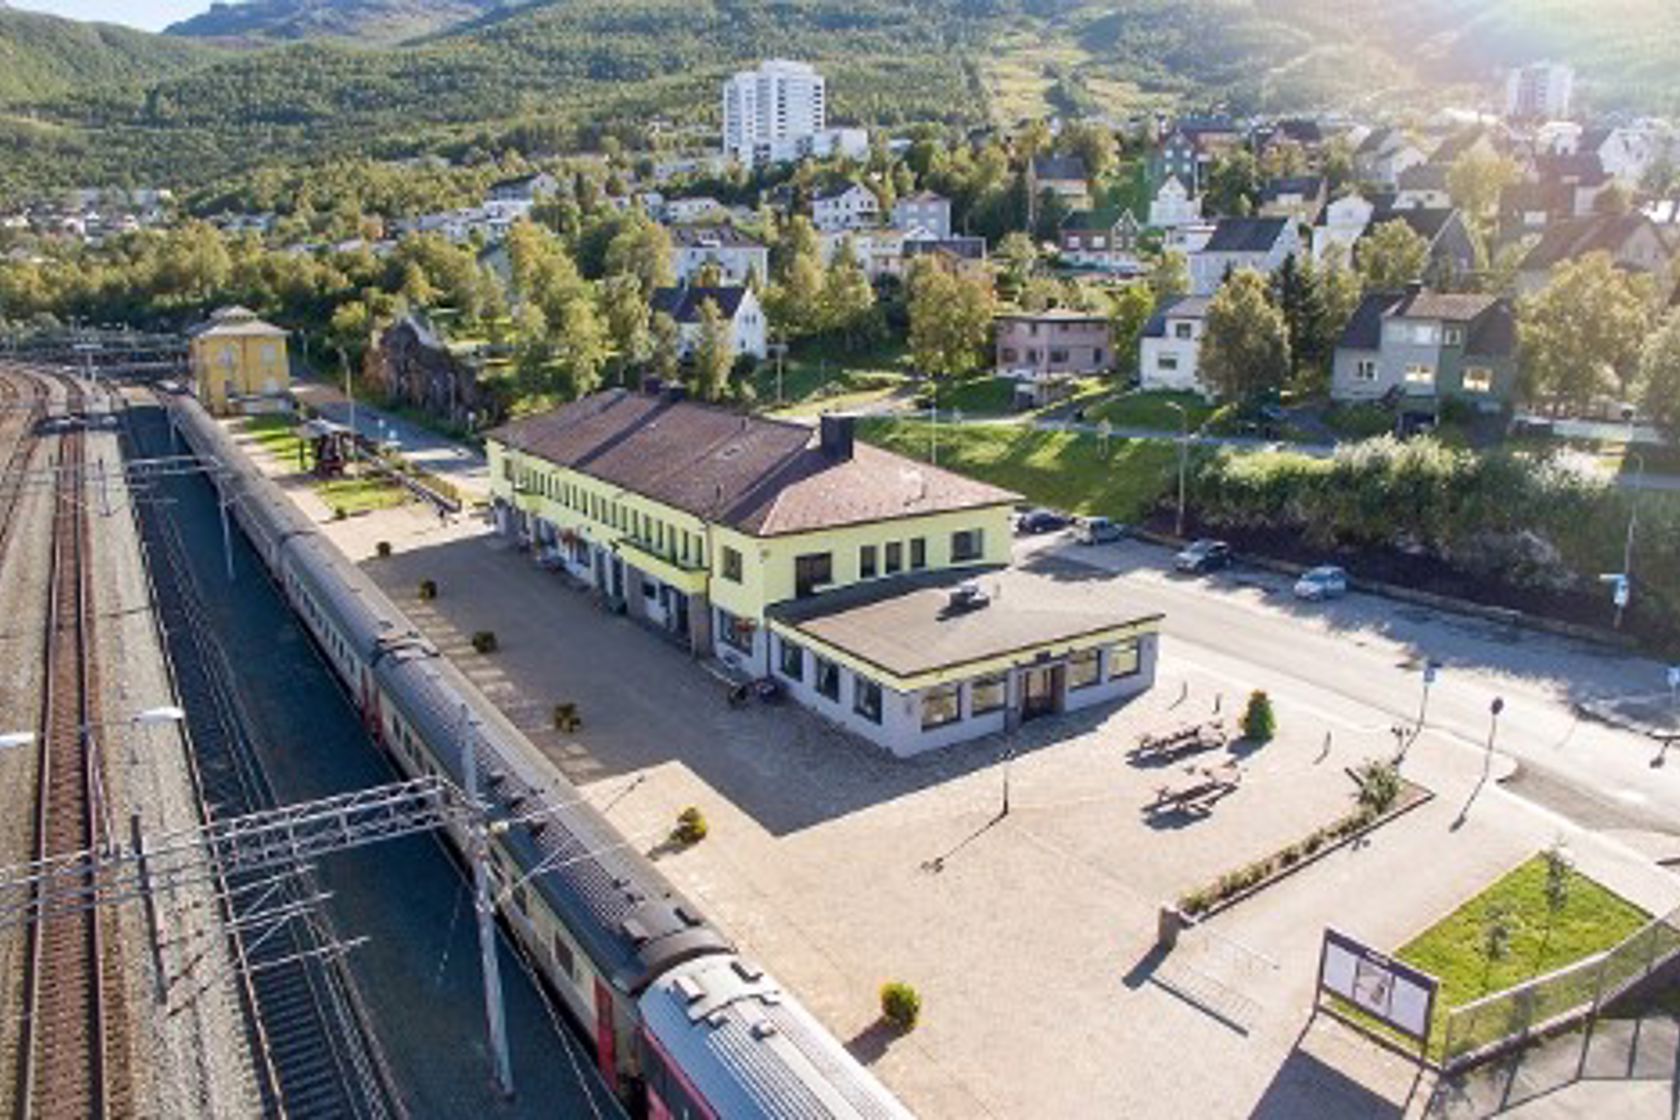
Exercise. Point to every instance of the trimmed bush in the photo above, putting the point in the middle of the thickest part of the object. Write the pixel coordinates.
(1379, 786)
(566, 717)
(691, 826)
(1259, 722)
(484, 641)
(383, 550)
(901, 1005)
(428, 590)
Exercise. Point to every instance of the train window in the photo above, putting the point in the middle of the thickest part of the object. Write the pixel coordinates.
(522, 900)
(563, 960)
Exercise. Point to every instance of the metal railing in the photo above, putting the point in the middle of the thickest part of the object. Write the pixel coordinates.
(1575, 993)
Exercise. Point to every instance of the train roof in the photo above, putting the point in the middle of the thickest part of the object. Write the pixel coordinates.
(753, 1052)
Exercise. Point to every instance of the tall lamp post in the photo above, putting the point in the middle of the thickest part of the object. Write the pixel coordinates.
(1183, 454)
(1494, 709)
(1625, 587)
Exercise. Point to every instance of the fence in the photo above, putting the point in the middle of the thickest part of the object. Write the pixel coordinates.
(1494, 1024)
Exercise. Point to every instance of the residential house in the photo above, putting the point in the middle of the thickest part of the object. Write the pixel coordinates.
(1424, 187)
(870, 587)
(512, 199)
(1479, 142)
(966, 256)
(1302, 135)
(1179, 157)
(1045, 352)
(1452, 250)
(1173, 206)
(239, 362)
(1170, 350)
(1625, 153)
(738, 257)
(1257, 243)
(925, 212)
(1384, 154)
(1576, 181)
(1099, 238)
(853, 206)
(680, 211)
(738, 305)
(1300, 197)
(1418, 348)
(1632, 241)
(879, 251)
(1063, 176)
(411, 364)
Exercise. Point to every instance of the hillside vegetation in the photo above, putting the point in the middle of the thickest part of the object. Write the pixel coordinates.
(44, 57)
(365, 21)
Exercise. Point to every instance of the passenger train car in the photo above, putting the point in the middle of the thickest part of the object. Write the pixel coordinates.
(682, 1026)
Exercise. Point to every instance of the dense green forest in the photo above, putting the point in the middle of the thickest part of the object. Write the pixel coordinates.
(81, 103)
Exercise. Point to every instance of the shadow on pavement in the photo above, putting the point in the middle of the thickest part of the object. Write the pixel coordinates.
(1305, 1086)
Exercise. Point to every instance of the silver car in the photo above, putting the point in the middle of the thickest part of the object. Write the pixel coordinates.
(1326, 582)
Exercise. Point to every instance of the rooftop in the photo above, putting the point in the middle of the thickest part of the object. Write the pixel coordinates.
(684, 304)
(1245, 235)
(906, 626)
(721, 236)
(762, 477)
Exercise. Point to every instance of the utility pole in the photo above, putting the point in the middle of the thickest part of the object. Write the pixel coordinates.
(349, 395)
(1431, 669)
(1625, 587)
(478, 847)
(1494, 709)
(1183, 455)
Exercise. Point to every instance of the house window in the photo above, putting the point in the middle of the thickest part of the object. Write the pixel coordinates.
(1478, 379)
(792, 660)
(828, 679)
(966, 545)
(1454, 336)
(1084, 668)
(918, 553)
(811, 572)
(941, 706)
(895, 557)
(1124, 659)
(1059, 357)
(867, 556)
(1010, 354)
(1183, 330)
(1420, 374)
(987, 694)
(736, 632)
(1166, 361)
(1365, 369)
(866, 698)
(731, 564)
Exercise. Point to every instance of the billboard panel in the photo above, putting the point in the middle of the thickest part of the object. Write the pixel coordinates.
(1390, 990)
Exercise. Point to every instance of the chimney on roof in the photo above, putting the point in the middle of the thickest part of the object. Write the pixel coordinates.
(839, 434)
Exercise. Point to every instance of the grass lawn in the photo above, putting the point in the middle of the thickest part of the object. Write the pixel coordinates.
(277, 434)
(1592, 919)
(816, 378)
(1151, 410)
(985, 395)
(1061, 469)
(358, 495)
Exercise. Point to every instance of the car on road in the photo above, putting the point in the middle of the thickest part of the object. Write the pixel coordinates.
(1036, 521)
(1325, 582)
(1203, 556)
(1097, 530)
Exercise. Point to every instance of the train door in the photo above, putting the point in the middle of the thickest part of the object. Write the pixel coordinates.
(606, 1043)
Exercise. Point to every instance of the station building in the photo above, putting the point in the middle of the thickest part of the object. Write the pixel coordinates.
(239, 362)
(875, 589)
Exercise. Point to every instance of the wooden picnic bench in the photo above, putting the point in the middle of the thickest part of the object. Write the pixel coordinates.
(1190, 739)
(1209, 786)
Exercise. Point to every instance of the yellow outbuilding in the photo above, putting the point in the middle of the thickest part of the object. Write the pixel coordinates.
(239, 362)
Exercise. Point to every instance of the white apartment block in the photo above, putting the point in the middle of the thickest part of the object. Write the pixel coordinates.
(781, 101)
(1540, 91)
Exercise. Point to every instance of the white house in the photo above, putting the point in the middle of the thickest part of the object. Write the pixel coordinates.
(736, 255)
(1339, 228)
(692, 209)
(1257, 243)
(738, 306)
(1384, 154)
(1169, 353)
(853, 207)
(1424, 186)
(1173, 207)
(925, 211)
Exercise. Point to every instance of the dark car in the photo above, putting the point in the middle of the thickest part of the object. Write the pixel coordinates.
(1036, 521)
(1203, 556)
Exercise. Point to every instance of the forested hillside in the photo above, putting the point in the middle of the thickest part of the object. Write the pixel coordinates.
(44, 57)
(364, 21)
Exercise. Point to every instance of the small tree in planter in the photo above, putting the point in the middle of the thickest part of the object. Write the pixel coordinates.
(428, 590)
(901, 1005)
(691, 827)
(484, 641)
(566, 717)
(383, 550)
(1259, 722)
(1379, 786)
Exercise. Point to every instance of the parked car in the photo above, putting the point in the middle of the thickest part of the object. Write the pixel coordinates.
(1097, 530)
(1036, 521)
(1326, 582)
(1203, 556)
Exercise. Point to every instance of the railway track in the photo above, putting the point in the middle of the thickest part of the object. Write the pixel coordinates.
(22, 403)
(74, 1053)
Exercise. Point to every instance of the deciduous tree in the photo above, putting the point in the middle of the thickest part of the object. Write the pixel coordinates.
(1582, 334)
(1659, 377)
(1391, 256)
(1245, 346)
(950, 319)
(714, 357)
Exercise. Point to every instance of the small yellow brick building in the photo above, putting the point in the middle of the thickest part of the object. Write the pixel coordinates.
(239, 362)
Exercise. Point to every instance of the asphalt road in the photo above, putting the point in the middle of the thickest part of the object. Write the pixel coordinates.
(1356, 665)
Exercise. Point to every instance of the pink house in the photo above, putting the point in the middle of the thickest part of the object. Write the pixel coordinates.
(1044, 352)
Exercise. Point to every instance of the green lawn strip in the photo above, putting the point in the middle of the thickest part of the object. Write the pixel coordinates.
(986, 395)
(1061, 469)
(358, 495)
(277, 435)
(814, 370)
(1152, 410)
(1593, 919)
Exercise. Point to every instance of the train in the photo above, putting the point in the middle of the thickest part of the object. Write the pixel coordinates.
(682, 1025)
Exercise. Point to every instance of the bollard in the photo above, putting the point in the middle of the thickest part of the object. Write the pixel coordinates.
(1168, 925)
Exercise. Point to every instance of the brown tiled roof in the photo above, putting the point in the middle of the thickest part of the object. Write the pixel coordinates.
(1454, 307)
(763, 477)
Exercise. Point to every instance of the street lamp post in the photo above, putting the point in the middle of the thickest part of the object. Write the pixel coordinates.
(1494, 709)
(1625, 588)
(1183, 454)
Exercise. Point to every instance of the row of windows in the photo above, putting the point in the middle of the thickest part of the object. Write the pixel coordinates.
(1475, 379)
(814, 571)
(651, 533)
(825, 680)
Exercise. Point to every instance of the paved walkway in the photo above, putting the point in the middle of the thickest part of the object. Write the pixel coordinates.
(462, 465)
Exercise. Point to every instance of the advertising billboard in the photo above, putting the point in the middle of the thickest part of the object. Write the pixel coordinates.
(1390, 991)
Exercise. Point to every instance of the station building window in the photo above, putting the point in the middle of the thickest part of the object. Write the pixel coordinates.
(894, 557)
(918, 553)
(966, 545)
(735, 631)
(988, 694)
(1084, 668)
(1124, 659)
(866, 698)
(828, 679)
(792, 660)
(941, 706)
(867, 557)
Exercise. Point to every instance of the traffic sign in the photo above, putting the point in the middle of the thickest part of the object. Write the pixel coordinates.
(1431, 669)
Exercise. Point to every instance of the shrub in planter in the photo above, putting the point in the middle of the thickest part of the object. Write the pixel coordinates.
(1379, 786)
(1259, 722)
(1195, 902)
(566, 717)
(484, 641)
(382, 550)
(428, 590)
(901, 1005)
(339, 513)
(691, 826)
